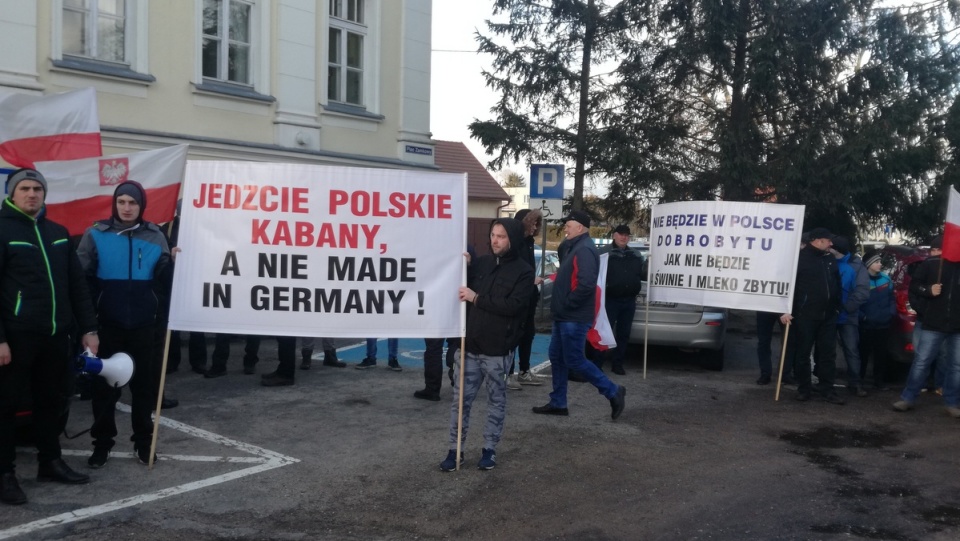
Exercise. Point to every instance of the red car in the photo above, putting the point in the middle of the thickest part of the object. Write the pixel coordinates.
(899, 262)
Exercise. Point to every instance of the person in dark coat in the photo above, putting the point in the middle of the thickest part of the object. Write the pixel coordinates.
(42, 292)
(816, 304)
(498, 295)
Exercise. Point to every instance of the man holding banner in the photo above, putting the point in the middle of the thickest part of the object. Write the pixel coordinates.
(573, 306)
(816, 303)
(498, 291)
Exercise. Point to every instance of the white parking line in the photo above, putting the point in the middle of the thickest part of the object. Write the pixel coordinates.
(264, 459)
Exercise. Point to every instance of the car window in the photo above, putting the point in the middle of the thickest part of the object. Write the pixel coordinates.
(553, 263)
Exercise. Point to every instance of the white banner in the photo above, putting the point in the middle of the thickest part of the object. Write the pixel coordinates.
(725, 253)
(307, 250)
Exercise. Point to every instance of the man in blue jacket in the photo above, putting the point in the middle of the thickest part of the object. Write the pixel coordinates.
(127, 262)
(42, 292)
(855, 289)
(573, 305)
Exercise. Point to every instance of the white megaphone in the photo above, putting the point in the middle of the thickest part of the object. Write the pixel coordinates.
(117, 370)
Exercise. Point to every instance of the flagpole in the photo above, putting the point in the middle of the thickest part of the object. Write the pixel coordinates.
(463, 346)
(156, 417)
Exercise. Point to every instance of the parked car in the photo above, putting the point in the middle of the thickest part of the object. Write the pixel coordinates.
(549, 268)
(899, 262)
(685, 326)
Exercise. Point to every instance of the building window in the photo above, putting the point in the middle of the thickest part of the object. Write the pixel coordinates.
(227, 40)
(95, 29)
(345, 56)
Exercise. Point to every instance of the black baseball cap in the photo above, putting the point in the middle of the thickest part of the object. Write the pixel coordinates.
(623, 229)
(820, 233)
(578, 216)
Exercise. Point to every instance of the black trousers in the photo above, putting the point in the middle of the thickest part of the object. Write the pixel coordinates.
(196, 350)
(221, 351)
(525, 348)
(139, 344)
(822, 334)
(433, 361)
(287, 353)
(39, 364)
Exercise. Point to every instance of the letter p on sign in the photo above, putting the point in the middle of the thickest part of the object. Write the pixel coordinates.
(546, 181)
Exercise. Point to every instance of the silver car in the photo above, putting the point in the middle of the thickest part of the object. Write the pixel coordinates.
(680, 325)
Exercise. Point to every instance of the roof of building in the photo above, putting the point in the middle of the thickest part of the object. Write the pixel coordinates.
(455, 157)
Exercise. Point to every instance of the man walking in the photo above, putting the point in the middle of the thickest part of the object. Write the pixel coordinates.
(42, 291)
(573, 304)
(816, 302)
(498, 292)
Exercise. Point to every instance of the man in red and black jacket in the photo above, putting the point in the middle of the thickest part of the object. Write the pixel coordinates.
(573, 305)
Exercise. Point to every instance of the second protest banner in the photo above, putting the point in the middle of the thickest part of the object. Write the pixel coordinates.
(724, 253)
(307, 250)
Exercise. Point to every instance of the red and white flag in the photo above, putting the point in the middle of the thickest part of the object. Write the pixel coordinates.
(45, 128)
(81, 191)
(951, 230)
(600, 335)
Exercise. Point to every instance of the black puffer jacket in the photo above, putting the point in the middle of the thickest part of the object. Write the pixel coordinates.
(817, 293)
(42, 287)
(496, 320)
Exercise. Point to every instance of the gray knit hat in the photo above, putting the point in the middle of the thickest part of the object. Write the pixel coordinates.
(20, 175)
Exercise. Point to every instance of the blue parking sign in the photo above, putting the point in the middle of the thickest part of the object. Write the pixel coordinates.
(546, 181)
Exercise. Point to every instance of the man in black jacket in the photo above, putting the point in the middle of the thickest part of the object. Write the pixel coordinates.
(937, 283)
(624, 278)
(498, 293)
(42, 291)
(816, 303)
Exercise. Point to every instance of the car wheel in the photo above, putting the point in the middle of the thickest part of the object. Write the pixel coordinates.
(712, 359)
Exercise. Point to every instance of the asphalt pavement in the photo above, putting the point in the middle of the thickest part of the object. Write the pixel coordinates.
(351, 454)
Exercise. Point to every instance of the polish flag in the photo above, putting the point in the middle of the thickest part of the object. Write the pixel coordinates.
(53, 127)
(601, 335)
(81, 191)
(951, 231)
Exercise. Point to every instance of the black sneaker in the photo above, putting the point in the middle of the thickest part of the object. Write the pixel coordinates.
(274, 379)
(617, 403)
(99, 457)
(427, 395)
(834, 398)
(366, 363)
(143, 454)
(394, 364)
(450, 463)
(488, 460)
(10, 491)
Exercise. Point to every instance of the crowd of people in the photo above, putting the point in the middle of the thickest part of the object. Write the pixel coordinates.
(109, 293)
(841, 298)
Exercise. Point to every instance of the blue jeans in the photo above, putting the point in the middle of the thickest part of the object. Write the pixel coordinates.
(391, 348)
(566, 354)
(849, 336)
(940, 372)
(926, 355)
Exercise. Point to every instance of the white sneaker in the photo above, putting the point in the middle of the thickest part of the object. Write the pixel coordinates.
(513, 384)
(526, 378)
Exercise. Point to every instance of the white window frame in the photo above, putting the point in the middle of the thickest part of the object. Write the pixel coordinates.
(136, 38)
(259, 48)
(369, 29)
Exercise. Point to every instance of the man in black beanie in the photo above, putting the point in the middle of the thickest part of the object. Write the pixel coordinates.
(127, 261)
(42, 291)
